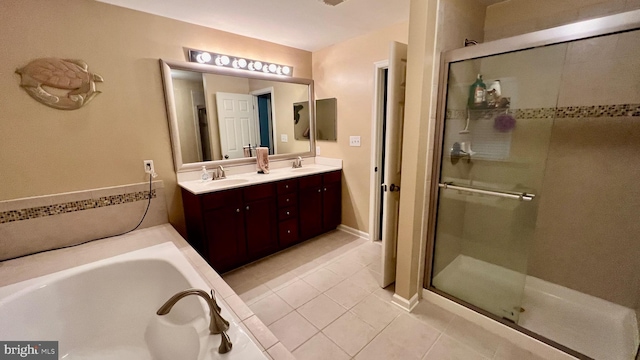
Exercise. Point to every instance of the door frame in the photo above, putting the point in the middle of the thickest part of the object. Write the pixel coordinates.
(271, 91)
(377, 142)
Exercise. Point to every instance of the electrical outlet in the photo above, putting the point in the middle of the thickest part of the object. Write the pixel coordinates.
(148, 167)
(354, 140)
(284, 138)
(317, 150)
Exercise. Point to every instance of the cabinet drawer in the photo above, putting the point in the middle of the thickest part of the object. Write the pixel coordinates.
(220, 199)
(332, 177)
(287, 213)
(310, 181)
(288, 231)
(257, 192)
(287, 200)
(287, 186)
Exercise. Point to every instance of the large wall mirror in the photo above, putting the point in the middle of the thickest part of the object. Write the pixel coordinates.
(218, 116)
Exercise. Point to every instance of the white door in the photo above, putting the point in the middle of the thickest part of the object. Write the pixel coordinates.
(393, 159)
(237, 124)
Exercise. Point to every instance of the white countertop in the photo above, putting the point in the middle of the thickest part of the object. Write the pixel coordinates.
(198, 187)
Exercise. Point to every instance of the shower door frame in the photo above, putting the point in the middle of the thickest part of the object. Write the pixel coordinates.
(623, 22)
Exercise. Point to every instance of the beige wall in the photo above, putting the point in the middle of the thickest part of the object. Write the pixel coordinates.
(46, 151)
(346, 71)
(517, 17)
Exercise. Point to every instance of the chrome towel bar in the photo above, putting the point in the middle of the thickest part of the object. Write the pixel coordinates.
(504, 194)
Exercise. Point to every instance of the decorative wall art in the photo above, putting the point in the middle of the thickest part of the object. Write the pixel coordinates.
(59, 83)
(301, 120)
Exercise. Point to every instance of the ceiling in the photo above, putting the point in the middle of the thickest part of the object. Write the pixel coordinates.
(304, 24)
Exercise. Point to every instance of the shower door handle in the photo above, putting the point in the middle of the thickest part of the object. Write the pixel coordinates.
(394, 187)
(503, 194)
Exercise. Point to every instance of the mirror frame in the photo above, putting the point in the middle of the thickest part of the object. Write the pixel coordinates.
(166, 66)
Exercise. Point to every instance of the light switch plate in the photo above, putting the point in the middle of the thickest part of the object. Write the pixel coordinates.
(354, 140)
(284, 138)
(317, 150)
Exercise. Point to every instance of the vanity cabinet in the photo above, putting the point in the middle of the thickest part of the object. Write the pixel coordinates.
(224, 229)
(233, 227)
(320, 203)
(260, 220)
(288, 212)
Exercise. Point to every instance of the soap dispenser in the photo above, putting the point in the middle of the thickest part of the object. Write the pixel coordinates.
(205, 174)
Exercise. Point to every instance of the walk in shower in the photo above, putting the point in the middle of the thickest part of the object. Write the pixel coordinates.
(535, 216)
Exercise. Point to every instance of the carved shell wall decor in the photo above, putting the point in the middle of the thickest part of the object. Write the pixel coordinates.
(62, 74)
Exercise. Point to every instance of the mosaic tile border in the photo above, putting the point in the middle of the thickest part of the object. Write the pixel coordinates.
(567, 112)
(73, 206)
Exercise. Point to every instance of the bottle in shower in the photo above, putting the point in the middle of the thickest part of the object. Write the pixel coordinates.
(478, 94)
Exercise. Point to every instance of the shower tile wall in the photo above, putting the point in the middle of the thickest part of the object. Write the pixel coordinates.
(587, 229)
(517, 17)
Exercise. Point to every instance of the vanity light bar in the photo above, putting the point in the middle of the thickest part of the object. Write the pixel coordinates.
(234, 62)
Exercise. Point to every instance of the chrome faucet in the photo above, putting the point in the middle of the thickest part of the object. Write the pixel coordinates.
(219, 173)
(217, 324)
(297, 163)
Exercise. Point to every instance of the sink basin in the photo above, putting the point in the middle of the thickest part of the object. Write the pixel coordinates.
(303, 170)
(227, 182)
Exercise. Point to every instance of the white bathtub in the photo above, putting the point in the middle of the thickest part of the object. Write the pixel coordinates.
(107, 310)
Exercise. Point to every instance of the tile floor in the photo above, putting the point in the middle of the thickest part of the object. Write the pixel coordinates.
(321, 300)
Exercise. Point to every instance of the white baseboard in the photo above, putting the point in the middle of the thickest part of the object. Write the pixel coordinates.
(520, 339)
(356, 232)
(404, 304)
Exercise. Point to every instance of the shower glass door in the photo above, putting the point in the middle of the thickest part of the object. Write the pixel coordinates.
(497, 127)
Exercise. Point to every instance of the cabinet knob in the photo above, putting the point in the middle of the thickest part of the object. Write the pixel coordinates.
(319, 190)
(287, 213)
(247, 207)
(288, 231)
(238, 210)
(286, 186)
(287, 199)
(325, 189)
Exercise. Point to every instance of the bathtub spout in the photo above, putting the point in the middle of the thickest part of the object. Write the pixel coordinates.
(217, 324)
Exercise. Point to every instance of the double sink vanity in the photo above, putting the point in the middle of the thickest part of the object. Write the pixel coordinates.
(244, 217)
(217, 116)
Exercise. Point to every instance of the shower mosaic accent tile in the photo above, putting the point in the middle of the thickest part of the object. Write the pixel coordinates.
(73, 206)
(592, 111)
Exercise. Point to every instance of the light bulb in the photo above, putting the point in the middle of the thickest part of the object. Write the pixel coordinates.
(218, 61)
(279, 71)
(258, 65)
(206, 56)
(286, 70)
(273, 68)
(225, 60)
(242, 63)
(251, 66)
(265, 69)
(235, 64)
(200, 59)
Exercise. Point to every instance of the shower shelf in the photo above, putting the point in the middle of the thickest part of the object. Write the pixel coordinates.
(504, 194)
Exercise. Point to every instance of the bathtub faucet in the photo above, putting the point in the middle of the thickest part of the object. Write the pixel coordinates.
(217, 324)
